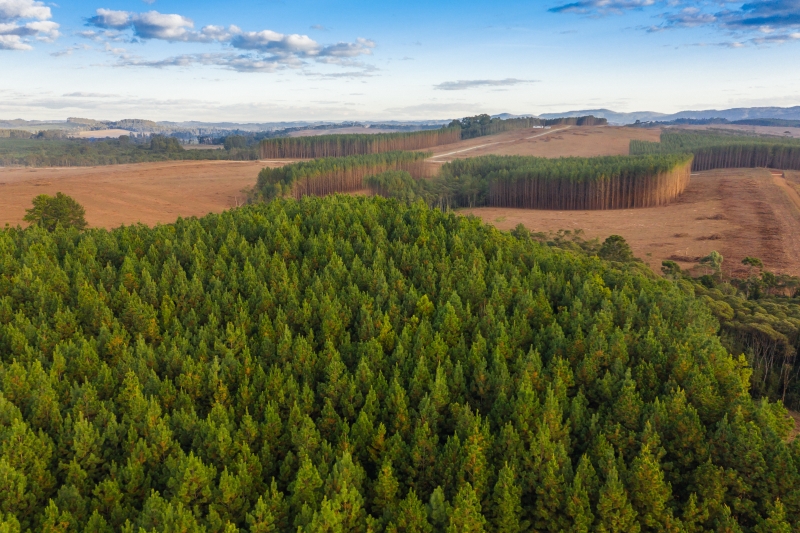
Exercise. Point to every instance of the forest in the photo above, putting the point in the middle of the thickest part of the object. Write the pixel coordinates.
(343, 145)
(481, 125)
(616, 182)
(45, 151)
(719, 150)
(365, 365)
(759, 315)
(333, 174)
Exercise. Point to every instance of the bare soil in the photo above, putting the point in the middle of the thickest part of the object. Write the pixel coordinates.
(580, 141)
(149, 193)
(737, 212)
(101, 134)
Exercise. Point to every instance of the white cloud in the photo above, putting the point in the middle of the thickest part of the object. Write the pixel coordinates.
(239, 63)
(13, 42)
(462, 85)
(266, 50)
(23, 9)
(21, 20)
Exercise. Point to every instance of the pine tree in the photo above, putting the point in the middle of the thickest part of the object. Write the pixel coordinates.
(578, 506)
(776, 520)
(650, 494)
(412, 517)
(507, 502)
(614, 512)
(466, 516)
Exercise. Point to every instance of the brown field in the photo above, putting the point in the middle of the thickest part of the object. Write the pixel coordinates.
(149, 193)
(101, 134)
(738, 212)
(583, 141)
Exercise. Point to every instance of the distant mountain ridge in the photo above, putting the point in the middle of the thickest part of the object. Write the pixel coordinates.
(738, 113)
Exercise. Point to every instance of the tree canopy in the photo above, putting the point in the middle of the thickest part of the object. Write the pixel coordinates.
(49, 212)
(363, 365)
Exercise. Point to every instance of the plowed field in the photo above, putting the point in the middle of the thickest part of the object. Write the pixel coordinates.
(739, 213)
(150, 193)
(562, 141)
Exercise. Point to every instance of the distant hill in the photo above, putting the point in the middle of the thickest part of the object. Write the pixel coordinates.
(739, 113)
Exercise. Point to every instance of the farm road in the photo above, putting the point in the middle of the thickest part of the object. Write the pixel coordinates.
(437, 156)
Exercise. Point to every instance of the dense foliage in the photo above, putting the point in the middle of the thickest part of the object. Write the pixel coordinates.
(759, 316)
(354, 364)
(78, 152)
(50, 212)
(718, 150)
(342, 145)
(540, 183)
(333, 174)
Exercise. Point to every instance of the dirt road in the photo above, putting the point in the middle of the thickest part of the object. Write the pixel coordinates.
(434, 158)
(580, 141)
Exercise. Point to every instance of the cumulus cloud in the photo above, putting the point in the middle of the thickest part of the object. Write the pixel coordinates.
(263, 51)
(462, 85)
(23, 20)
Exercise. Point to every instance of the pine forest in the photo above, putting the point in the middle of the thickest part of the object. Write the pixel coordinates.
(324, 176)
(618, 182)
(343, 145)
(714, 150)
(364, 365)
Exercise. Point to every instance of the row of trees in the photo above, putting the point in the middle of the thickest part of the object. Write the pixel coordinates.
(78, 152)
(15, 134)
(618, 182)
(481, 125)
(343, 145)
(335, 174)
(356, 364)
(713, 150)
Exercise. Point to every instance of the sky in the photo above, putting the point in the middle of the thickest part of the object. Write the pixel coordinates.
(285, 60)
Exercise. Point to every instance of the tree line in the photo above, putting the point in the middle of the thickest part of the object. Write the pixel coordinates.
(617, 182)
(82, 152)
(343, 145)
(480, 125)
(714, 150)
(334, 174)
(358, 364)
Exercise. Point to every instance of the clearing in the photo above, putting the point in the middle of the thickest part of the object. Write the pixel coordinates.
(738, 212)
(560, 141)
(149, 193)
(101, 134)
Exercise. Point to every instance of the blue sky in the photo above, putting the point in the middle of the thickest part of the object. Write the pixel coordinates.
(257, 61)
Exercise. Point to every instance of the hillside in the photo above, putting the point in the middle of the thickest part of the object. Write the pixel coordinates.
(353, 364)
